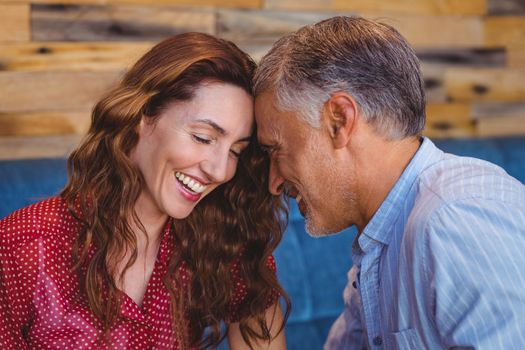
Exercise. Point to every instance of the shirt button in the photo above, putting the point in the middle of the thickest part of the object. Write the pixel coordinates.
(377, 341)
(354, 284)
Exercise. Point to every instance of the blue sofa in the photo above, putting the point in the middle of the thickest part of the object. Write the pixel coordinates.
(312, 270)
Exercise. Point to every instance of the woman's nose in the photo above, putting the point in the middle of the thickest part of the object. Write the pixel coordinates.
(216, 166)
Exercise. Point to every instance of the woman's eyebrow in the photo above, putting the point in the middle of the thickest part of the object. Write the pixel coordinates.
(214, 125)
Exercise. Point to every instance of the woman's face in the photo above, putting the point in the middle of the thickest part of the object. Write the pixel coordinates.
(191, 148)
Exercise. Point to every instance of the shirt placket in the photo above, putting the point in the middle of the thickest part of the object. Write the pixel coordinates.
(369, 289)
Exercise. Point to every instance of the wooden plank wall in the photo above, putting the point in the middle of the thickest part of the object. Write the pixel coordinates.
(58, 56)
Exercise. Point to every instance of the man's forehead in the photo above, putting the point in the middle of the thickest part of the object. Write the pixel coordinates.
(268, 132)
(267, 116)
(265, 102)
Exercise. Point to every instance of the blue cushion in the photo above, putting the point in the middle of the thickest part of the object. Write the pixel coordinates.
(27, 181)
(291, 269)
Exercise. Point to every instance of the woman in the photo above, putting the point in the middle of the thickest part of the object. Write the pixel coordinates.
(165, 228)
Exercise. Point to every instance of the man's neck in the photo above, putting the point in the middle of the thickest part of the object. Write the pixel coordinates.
(381, 165)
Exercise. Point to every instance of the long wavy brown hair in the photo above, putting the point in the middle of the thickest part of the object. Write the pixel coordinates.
(238, 223)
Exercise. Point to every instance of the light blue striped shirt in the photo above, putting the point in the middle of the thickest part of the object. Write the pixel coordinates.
(441, 265)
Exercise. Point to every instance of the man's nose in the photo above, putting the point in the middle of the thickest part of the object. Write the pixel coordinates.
(275, 181)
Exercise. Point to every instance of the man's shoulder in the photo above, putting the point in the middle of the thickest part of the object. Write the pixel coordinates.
(462, 192)
(455, 178)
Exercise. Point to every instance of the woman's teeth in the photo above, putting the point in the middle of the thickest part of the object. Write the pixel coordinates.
(190, 183)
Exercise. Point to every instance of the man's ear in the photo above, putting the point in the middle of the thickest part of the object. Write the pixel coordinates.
(340, 118)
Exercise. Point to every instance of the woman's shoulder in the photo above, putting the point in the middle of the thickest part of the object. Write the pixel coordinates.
(44, 219)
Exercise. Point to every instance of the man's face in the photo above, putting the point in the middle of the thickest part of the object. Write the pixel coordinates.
(304, 165)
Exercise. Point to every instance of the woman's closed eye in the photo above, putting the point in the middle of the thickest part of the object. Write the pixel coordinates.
(206, 140)
(236, 151)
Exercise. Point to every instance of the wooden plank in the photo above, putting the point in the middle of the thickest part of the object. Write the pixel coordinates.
(478, 57)
(499, 119)
(501, 126)
(449, 120)
(485, 84)
(435, 62)
(262, 25)
(505, 32)
(506, 7)
(70, 56)
(52, 91)
(438, 31)
(434, 76)
(37, 147)
(243, 4)
(498, 109)
(15, 23)
(44, 123)
(427, 7)
(256, 49)
(516, 58)
(421, 31)
(116, 23)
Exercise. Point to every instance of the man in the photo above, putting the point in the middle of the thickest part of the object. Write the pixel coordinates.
(440, 255)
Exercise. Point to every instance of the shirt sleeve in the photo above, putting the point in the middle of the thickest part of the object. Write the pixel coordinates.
(474, 266)
(347, 331)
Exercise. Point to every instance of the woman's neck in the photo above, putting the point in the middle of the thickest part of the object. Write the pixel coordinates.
(148, 233)
(152, 220)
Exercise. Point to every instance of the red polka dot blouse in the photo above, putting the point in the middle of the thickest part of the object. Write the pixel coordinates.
(42, 306)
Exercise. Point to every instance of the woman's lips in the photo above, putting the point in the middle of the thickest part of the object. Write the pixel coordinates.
(192, 197)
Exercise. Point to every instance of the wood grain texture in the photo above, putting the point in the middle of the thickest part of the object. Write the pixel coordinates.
(435, 63)
(449, 120)
(244, 4)
(37, 147)
(463, 57)
(255, 48)
(438, 31)
(432, 7)
(67, 56)
(505, 32)
(420, 31)
(506, 7)
(501, 126)
(116, 23)
(263, 25)
(482, 110)
(499, 119)
(434, 76)
(52, 91)
(44, 123)
(485, 84)
(516, 58)
(15, 22)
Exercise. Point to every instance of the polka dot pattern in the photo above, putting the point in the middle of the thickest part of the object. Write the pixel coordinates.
(42, 305)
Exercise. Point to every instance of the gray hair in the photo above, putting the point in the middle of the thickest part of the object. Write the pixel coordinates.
(369, 60)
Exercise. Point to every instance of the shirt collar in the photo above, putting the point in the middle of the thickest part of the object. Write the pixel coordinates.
(379, 227)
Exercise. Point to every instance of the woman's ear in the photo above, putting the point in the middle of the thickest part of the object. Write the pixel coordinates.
(340, 118)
